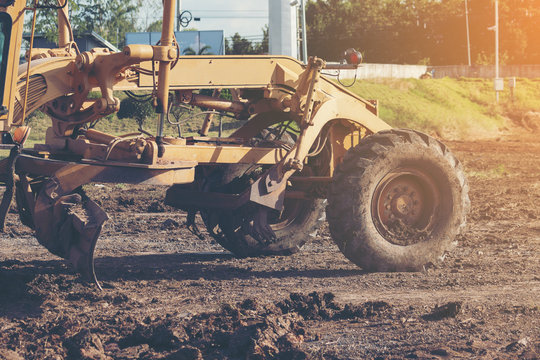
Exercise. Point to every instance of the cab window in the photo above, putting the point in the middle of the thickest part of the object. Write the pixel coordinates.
(5, 32)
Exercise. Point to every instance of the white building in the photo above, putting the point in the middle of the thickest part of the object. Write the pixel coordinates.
(282, 28)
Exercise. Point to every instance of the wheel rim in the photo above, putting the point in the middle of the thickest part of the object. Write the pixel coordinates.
(405, 205)
(292, 208)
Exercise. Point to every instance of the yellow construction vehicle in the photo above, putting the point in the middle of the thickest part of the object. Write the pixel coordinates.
(394, 199)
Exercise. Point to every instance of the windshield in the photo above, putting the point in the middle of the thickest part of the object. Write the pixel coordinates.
(5, 32)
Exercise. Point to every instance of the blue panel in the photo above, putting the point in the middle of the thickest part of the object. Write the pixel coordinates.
(191, 42)
(137, 38)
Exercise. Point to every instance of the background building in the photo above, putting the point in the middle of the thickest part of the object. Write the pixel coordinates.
(282, 28)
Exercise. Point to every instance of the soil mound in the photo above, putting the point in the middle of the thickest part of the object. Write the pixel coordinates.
(247, 329)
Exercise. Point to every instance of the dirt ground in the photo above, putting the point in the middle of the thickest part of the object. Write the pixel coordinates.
(168, 294)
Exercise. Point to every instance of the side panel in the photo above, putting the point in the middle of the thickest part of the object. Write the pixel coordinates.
(49, 79)
(195, 72)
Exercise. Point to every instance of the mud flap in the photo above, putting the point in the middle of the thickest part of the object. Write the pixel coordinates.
(69, 226)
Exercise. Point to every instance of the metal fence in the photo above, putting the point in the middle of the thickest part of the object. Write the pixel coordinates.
(486, 71)
(371, 71)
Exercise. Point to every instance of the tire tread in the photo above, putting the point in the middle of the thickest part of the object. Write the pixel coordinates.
(356, 164)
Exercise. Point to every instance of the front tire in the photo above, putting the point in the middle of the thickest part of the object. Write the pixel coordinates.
(255, 230)
(397, 201)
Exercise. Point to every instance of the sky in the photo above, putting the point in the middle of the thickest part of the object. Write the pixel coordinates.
(247, 17)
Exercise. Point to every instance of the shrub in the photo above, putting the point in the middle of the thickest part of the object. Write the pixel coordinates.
(130, 108)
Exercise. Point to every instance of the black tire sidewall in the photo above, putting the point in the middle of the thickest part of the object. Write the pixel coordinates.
(358, 237)
(289, 239)
(239, 238)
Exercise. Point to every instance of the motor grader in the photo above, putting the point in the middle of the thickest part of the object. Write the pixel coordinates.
(394, 199)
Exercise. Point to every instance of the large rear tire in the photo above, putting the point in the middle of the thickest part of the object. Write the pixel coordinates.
(397, 201)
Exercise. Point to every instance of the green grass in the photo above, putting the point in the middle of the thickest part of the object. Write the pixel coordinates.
(447, 108)
(450, 108)
(111, 124)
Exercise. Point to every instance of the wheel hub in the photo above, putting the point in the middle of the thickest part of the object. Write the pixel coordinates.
(403, 206)
(402, 200)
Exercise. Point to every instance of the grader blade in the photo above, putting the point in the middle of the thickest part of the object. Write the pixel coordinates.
(69, 226)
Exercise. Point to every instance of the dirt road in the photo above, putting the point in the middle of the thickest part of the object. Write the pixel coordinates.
(168, 294)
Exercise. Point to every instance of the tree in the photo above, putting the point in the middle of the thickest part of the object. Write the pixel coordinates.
(418, 31)
(155, 26)
(262, 47)
(46, 19)
(239, 45)
(135, 109)
(109, 18)
(392, 31)
(202, 51)
(329, 30)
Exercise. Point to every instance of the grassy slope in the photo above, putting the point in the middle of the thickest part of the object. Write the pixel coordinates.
(447, 108)
(450, 108)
